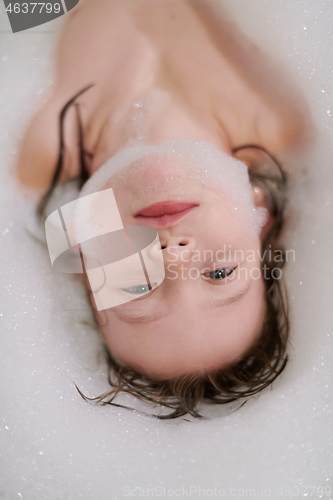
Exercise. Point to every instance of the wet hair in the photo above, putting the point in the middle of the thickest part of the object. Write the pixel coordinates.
(264, 360)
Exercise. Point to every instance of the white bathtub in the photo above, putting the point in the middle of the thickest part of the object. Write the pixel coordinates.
(54, 445)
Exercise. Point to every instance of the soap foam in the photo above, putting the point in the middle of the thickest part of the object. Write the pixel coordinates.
(199, 162)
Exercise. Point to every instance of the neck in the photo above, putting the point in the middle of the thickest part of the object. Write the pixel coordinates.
(178, 83)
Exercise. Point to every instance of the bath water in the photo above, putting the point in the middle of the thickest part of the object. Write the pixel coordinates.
(54, 445)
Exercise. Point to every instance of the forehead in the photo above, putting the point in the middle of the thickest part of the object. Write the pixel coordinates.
(190, 336)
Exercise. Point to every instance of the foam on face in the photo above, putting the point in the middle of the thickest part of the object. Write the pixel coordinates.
(201, 162)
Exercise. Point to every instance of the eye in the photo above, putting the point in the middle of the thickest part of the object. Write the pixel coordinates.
(219, 274)
(139, 289)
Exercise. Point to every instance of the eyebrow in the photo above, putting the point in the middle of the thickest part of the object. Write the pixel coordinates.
(223, 301)
(131, 317)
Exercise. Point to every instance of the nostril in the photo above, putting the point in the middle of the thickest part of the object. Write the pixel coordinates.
(180, 242)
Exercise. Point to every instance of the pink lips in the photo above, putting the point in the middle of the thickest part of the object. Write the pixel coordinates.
(164, 213)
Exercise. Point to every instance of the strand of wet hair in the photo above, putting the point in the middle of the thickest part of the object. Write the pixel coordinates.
(60, 161)
(84, 173)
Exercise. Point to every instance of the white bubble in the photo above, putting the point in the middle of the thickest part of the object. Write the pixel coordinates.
(200, 161)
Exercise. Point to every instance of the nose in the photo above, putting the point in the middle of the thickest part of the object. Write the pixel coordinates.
(177, 245)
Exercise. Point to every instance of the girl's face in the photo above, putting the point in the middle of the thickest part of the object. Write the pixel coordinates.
(210, 306)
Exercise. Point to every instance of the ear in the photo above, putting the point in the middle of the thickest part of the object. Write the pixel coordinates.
(259, 200)
(258, 197)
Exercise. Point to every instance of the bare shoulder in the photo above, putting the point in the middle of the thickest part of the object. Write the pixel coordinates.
(86, 54)
(38, 150)
(282, 118)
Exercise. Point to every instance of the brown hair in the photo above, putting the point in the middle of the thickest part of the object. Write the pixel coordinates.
(264, 360)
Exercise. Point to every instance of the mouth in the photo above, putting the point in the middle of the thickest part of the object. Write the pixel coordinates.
(164, 214)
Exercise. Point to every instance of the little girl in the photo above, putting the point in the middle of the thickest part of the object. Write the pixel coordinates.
(165, 103)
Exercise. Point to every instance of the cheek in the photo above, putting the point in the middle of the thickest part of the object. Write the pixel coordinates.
(113, 336)
(125, 346)
(233, 221)
(232, 234)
